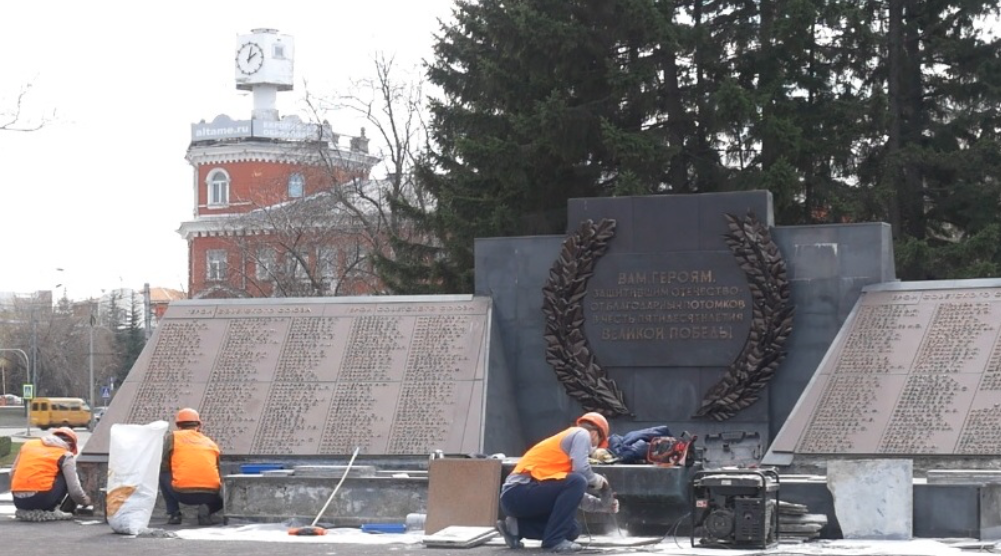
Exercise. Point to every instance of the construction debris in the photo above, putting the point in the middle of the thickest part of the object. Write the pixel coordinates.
(42, 515)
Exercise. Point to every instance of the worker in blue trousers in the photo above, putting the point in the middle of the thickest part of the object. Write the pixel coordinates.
(541, 496)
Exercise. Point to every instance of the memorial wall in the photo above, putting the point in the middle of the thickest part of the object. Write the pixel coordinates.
(317, 376)
(668, 308)
(681, 309)
(915, 370)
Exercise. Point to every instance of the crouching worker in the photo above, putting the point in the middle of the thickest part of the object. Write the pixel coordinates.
(189, 471)
(541, 496)
(44, 473)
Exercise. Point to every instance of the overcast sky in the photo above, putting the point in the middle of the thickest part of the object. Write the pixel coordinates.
(101, 190)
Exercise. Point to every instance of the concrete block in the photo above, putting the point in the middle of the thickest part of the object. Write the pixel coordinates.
(333, 471)
(873, 498)
(963, 476)
(360, 500)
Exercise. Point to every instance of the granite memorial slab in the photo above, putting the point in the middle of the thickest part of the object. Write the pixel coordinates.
(916, 370)
(322, 376)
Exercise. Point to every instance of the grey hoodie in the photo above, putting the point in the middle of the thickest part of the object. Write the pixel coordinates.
(68, 468)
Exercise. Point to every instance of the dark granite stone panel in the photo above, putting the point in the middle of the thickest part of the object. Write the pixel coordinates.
(662, 395)
(822, 302)
(868, 251)
(712, 207)
(947, 511)
(806, 235)
(756, 412)
(990, 511)
(503, 431)
(819, 299)
(815, 260)
(818, 295)
(664, 223)
(669, 309)
(619, 209)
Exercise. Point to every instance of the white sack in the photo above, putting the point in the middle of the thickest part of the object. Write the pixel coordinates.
(133, 475)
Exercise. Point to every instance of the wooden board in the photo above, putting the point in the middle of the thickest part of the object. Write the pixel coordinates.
(462, 492)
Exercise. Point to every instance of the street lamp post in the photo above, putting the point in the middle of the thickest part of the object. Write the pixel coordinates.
(90, 392)
(90, 357)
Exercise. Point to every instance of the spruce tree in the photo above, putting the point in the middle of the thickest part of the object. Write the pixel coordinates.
(846, 111)
(542, 101)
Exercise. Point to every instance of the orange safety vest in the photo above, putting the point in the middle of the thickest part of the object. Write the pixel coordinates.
(194, 462)
(37, 467)
(546, 460)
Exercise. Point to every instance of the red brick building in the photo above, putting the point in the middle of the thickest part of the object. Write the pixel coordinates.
(269, 216)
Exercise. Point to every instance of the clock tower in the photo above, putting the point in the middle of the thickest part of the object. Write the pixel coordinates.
(249, 171)
(264, 65)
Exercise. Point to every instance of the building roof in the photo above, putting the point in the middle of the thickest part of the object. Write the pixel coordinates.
(165, 295)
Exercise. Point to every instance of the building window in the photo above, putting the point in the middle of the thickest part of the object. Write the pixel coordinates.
(265, 263)
(279, 52)
(296, 185)
(326, 267)
(298, 265)
(218, 188)
(326, 263)
(215, 264)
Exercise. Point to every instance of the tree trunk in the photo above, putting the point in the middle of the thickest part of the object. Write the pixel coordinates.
(894, 78)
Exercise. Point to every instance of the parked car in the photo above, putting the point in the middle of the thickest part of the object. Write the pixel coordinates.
(98, 413)
(11, 399)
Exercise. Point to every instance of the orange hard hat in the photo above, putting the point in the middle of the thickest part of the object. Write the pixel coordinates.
(68, 435)
(598, 420)
(187, 415)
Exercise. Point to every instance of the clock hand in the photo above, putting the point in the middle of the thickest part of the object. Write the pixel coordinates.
(251, 55)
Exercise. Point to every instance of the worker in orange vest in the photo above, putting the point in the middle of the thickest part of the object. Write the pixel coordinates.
(189, 471)
(541, 496)
(45, 472)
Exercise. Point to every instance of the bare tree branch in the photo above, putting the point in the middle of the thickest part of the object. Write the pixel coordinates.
(327, 242)
(13, 119)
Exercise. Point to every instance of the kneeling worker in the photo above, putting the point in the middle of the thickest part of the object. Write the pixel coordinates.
(189, 472)
(45, 472)
(542, 494)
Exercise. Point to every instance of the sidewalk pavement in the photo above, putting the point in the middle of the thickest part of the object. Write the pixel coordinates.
(93, 537)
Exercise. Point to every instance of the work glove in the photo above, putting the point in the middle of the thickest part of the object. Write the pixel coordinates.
(609, 503)
(600, 482)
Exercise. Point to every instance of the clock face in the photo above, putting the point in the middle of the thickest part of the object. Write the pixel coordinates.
(249, 58)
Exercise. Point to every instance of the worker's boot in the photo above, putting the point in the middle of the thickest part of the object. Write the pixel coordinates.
(206, 518)
(508, 528)
(174, 518)
(68, 505)
(566, 547)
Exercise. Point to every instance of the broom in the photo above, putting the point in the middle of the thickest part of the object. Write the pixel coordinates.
(313, 530)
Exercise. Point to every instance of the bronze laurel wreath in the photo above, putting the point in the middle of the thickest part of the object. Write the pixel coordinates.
(771, 322)
(567, 349)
